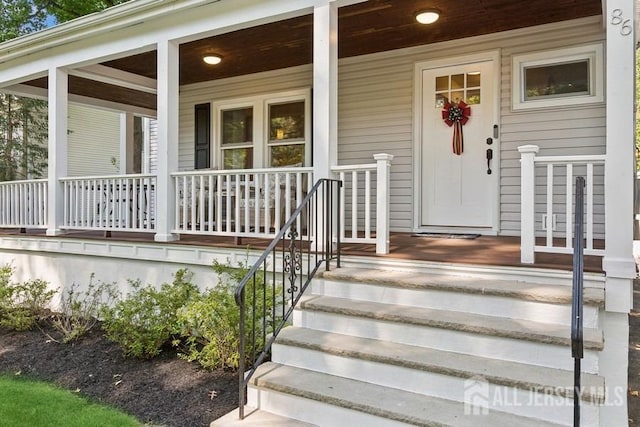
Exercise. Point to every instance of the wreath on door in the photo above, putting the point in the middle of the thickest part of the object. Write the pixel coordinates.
(456, 114)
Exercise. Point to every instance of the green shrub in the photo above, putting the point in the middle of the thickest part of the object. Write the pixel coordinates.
(22, 305)
(147, 319)
(210, 323)
(79, 310)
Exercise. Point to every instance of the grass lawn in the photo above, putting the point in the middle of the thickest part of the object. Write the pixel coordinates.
(29, 403)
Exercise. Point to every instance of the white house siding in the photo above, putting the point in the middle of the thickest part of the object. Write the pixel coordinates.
(93, 140)
(376, 112)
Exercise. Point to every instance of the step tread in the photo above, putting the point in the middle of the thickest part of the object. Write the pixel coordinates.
(500, 372)
(553, 294)
(548, 333)
(257, 418)
(377, 400)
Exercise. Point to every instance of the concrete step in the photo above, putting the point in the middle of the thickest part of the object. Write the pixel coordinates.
(502, 298)
(256, 418)
(516, 340)
(438, 373)
(327, 400)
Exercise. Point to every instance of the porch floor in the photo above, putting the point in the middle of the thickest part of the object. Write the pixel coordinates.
(483, 250)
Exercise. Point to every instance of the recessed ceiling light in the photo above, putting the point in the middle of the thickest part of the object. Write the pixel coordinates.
(212, 59)
(428, 16)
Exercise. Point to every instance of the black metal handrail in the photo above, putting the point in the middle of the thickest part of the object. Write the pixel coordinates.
(577, 299)
(273, 293)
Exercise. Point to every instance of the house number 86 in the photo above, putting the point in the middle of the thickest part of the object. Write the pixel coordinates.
(618, 19)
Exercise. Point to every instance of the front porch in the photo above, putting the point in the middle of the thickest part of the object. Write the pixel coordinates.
(486, 251)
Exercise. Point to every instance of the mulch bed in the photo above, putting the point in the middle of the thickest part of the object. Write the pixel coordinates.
(163, 391)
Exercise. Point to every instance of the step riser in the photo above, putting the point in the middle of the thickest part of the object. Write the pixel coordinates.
(313, 412)
(516, 350)
(457, 301)
(518, 401)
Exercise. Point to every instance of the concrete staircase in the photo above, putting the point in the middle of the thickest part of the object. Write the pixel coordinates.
(373, 347)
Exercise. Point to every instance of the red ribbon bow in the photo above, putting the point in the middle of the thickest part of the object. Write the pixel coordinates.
(456, 115)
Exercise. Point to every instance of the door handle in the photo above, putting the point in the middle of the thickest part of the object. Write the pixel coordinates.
(489, 157)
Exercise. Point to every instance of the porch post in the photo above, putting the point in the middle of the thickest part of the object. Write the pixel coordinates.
(126, 143)
(58, 98)
(618, 262)
(383, 194)
(527, 203)
(325, 99)
(168, 74)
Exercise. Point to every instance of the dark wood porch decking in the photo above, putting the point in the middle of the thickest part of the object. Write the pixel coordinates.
(484, 250)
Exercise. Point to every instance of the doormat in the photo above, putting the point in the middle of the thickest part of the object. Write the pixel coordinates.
(468, 236)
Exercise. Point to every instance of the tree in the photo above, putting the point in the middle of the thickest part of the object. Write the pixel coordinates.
(65, 10)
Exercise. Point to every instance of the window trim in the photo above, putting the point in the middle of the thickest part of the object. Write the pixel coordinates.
(260, 105)
(593, 53)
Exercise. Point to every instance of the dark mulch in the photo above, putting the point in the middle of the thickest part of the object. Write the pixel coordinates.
(634, 357)
(162, 391)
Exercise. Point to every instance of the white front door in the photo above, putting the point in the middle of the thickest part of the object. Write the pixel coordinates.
(457, 190)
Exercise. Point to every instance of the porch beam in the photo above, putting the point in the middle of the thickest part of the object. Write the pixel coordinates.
(167, 155)
(57, 146)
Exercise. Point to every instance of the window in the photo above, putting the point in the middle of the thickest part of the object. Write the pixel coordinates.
(557, 78)
(264, 131)
(458, 87)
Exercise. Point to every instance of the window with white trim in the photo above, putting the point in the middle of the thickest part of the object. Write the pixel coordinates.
(557, 78)
(263, 131)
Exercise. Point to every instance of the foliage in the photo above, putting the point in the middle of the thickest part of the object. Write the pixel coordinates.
(31, 403)
(147, 319)
(79, 310)
(210, 322)
(22, 305)
(19, 17)
(65, 10)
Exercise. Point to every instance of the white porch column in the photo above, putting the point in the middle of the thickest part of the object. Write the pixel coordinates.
(126, 143)
(168, 74)
(325, 89)
(618, 262)
(57, 146)
(383, 194)
(527, 203)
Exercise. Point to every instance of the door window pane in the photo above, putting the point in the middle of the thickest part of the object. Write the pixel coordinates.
(237, 126)
(457, 81)
(442, 83)
(473, 79)
(286, 121)
(557, 80)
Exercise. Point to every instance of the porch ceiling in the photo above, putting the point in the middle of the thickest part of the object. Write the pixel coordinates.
(364, 28)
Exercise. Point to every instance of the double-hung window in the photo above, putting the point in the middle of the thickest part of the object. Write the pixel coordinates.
(263, 131)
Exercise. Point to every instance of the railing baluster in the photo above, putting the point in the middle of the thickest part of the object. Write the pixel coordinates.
(549, 224)
(367, 204)
(590, 206)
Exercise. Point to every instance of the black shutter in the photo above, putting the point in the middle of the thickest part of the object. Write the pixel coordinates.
(203, 136)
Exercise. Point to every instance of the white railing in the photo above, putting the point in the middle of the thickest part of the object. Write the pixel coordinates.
(116, 202)
(365, 202)
(243, 202)
(557, 193)
(23, 204)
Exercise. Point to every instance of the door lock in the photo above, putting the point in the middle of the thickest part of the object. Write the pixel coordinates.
(489, 157)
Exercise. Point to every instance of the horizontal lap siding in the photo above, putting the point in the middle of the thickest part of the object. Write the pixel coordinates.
(93, 140)
(573, 130)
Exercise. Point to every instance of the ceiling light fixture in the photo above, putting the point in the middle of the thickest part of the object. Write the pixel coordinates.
(428, 16)
(212, 59)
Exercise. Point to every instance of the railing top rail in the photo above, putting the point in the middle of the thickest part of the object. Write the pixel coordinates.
(242, 171)
(132, 176)
(283, 230)
(588, 158)
(348, 168)
(24, 181)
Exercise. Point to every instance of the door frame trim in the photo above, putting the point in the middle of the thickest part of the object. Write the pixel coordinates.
(419, 67)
